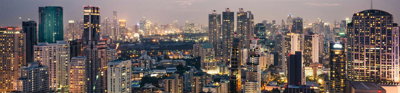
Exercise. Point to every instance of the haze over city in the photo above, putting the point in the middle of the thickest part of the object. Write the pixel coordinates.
(166, 11)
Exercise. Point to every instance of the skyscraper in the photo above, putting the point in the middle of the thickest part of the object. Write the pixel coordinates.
(252, 80)
(12, 57)
(373, 47)
(228, 25)
(235, 80)
(295, 69)
(338, 72)
(30, 30)
(73, 31)
(35, 78)
(245, 26)
(215, 34)
(51, 24)
(90, 38)
(56, 57)
(297, 25)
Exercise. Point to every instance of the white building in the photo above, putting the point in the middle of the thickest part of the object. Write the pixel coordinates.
(56, 57)
(119, 76)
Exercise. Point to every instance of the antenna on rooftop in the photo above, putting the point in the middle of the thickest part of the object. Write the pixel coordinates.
(372, 4)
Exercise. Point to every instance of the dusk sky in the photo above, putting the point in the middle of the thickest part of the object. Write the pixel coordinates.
(166, 11)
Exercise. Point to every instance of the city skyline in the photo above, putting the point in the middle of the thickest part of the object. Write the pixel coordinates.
(194, 10)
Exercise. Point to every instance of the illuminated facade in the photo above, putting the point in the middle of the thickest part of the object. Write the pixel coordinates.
(338, 72)
(35, 78)
(77, 75)
(173, 84)
(245, 26)
(12, 57)
(51, 28)
(56, 57)
(91, 38)
(252, 80)
(215, 34)
(119, 76)
(235, 81)
(373, 47)
(74, 30)
(228, 25)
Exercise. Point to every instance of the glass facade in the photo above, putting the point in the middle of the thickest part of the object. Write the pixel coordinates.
(51, 24)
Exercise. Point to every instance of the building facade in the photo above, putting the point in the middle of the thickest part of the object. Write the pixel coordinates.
(373, 47)
(12, 57)
(51, 28)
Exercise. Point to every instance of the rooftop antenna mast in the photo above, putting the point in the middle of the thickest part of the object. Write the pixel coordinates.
(372, 4)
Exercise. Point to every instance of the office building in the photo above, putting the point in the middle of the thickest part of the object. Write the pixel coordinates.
(295, 70)
(235, 81)
(30, 30)
(90, 39)
(51, 28)
(245, 26)
(228, 25)
(12, 57)
(297, 25)
(338, 72)
(215, 34)
(373, 47)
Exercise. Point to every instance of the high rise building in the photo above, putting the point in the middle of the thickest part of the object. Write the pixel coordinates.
(90, 38)
(115, 28)
(295, 69)
(12, 57)
(338, 72)
(228, 25)
(295, 42)
(77, 75)
(123, 36)
(119, 76)
(74, 30)
(56, 57)
(373, 47)
(35, 78)
(252, 80)
(245, 26)
(215, 34)
(30, 30)
(312, 48)
(51, 28)
(235, 81)
(297, 25)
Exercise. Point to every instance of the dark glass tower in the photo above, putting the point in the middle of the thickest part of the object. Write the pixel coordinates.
(245, 22)
(51, 24)
(295, 69)
(30, 30)
(235, 80)
(228, 26)
(373, 47)
(214, 34)
(297, 26)
(90, 38)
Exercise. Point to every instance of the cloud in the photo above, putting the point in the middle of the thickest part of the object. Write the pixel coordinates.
(185, 3)
(322, 4)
